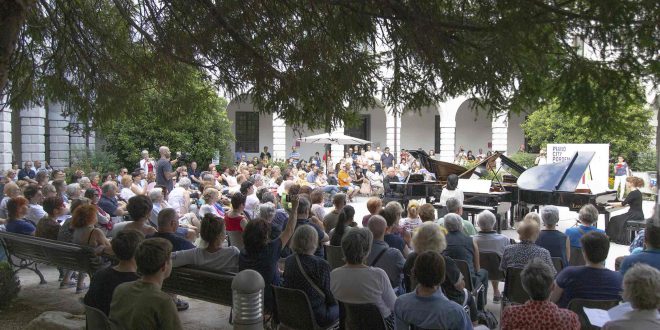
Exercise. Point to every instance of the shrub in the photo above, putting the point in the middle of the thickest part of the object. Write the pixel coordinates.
(524, 159)
(92, 160)
(9, 285)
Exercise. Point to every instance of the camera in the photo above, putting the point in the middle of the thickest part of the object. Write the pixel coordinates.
(183, 157)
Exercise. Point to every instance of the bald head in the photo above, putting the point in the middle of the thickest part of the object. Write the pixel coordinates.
(164, 151)
(377, 225)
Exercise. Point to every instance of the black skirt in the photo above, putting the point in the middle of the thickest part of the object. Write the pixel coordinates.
(616, 228)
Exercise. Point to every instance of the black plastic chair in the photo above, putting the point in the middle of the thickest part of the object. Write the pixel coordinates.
(360, 316)
(96, 319)
(513, 288)
(577, 259)
(577, 306)
(294, 310)
(334, 255)
(558, 263)
(474, 290)
(490, 261)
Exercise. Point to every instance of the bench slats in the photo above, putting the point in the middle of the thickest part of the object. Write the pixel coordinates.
(200, 284)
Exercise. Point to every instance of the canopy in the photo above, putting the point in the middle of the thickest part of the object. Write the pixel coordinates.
(332, 138)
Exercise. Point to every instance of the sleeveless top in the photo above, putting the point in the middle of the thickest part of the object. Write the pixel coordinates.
(233, 223)
(555, 242)
(83, 236)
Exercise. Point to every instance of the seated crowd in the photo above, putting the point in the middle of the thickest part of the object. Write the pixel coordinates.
(415, 269)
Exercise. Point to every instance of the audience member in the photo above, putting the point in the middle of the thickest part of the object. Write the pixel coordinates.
(311, 274)
(374, 206)
(139, 208)
(588, 218)
(84, 233)
(488, 240)
(427, 212)
(651, 253)
(236, 220)
(104, 282)
(168, 224)
(463, 247)
(556, 242)
(109, 202)
(304, 219)
(427, 307)
(316, 197)
(455, 206)
(382, 255)
(211, 197)
(48, 227)
(141, 304)
(343, 225)
(641, 290)
(538, 313)
(357, 283)
(35, 196)
(593, 281)
(10, 191)
(413, 220)
(519, 255)
(17, 209)
(393, 236)
(330, 220)
(262, 254)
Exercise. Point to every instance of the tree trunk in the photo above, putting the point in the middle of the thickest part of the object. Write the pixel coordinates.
(657, 158)
(12, 17)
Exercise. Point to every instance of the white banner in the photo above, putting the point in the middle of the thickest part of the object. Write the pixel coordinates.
(597, 175)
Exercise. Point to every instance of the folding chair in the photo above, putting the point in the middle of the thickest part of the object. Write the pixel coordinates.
(360, 316)
(96, 319)
(294, 310)
(334, 255)
(475, 290)
(577, 305)
(490, 261)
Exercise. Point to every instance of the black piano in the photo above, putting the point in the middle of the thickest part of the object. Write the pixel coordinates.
(557, 184)
(417, 186)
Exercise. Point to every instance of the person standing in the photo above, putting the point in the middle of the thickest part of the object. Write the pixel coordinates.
(621, 172)
(265, 156)
(387, 159)
(541, 158)
(294, 156)
(164, 173)
(146, 163)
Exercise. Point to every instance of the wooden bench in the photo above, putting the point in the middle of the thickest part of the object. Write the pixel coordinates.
(31, 250)
(200, 284)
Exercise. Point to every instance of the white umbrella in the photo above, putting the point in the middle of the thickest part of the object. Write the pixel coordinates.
(332, 138)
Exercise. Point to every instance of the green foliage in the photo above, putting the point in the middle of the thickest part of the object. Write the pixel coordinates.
(646, 161)
(9, 284)
(320, 62)
(628, 133)
(523, 158)
(156, 120)
(93, 161)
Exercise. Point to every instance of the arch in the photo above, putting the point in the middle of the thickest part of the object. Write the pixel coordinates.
(515, 135)
(473, 127)
(421, 129)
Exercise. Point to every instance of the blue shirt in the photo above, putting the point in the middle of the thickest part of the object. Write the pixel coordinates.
(178, 243)
(650, 257)
(22, 173)
(588, 283)
(555, 242)
(20, 227)
(109, 205)
(432, 312)
(574, 234)
(395, 241)
(296, 157)
(311, 177)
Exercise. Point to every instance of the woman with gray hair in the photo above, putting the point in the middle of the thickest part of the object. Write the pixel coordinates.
(311, 274)
(488, 240)
(519, 255)
(641, 290)
(556, 242)
(587, 221)
(357, 283)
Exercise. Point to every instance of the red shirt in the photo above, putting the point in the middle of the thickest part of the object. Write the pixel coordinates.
(539, 315)
(233, 223)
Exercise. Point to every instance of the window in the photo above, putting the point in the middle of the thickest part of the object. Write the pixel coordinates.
(361, 129)
(247, 131)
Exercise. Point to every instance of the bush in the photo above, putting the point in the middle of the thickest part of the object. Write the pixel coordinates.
(524, 159)
(645, 162)
(92, 161)
(9, 285)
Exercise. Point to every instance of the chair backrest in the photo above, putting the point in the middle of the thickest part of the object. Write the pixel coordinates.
(558, 263)
(577, 259)
(465, 270)
(293, 308)
(334, 255)
(236, 239)
(200, 284)
(360, 316)
(96, 319)
(577, 306)
(490, 261)
(513, 288)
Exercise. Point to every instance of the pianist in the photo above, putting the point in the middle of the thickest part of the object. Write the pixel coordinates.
(451, 191)
(390, 189)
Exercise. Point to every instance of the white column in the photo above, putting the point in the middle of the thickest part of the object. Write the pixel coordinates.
(393, 132)
(447, 141)
(279, 138)
(5, 139)
(337, 151)
(33, 130)
(500, 127)
(58, 136)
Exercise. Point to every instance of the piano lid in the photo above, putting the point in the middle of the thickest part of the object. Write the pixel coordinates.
(481, 168)
(564, 176)
(441, 169)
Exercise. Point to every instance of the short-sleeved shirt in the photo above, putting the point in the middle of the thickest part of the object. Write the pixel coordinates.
(539, 315)
(318, 270)
(387, 160)
(588, 283)
(650, 257)
(141, 305)
(389, 259)
(519, 255)
(47, 228)
(368, 285)
(452, 277)
(432, 312)
(395, 241)
(164, 166)
(178, 243)
(103, 285)
(461, 247)
(491, 241)
(265, 263)
(330, 220)
(555, 242)
(109, 205)
(20, 227)
(319, 249)
(575, 233)
(23, 173)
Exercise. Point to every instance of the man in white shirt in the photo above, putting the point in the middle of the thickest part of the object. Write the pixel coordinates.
(251, 200)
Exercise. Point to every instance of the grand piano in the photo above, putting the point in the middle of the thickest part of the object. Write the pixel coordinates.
(558, 184)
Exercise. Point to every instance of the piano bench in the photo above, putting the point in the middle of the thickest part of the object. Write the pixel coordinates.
(633, 226)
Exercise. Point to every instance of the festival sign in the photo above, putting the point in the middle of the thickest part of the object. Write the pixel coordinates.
(597, 174)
